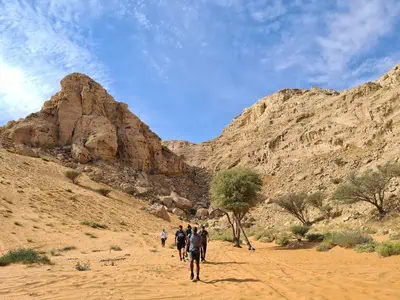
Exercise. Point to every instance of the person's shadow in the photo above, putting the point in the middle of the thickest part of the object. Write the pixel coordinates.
(233, 280)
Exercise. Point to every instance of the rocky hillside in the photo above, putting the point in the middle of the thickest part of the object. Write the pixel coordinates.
(84, 128)
(308, 139)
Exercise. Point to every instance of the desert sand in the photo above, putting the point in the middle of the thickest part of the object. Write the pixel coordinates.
(42, 209)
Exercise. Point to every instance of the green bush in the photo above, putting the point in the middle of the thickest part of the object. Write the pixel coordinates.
(300, 230)
(115, 248)
(315, 237)
(348, 239)
(267, 239)
(395, 236)
(325, 246)
(366, 248)
(388, 249)
(94, 225)
(25, 256)
(282, 240)
(72, 174)
(222, 236)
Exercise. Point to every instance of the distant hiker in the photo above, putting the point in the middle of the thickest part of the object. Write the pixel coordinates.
(194, 244)
(204, 239)
(188, 233)
(180, 242)
(163, 237)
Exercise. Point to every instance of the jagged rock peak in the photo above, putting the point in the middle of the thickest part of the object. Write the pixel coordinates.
(85, 117)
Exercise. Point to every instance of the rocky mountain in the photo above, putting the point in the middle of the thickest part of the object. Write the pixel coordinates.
(308, 140)
(86, 129)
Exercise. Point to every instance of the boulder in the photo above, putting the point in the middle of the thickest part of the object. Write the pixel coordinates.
(202, 213)
(181, 202)
(160, 212)
(80, 154)
(140, 190)
(179, 212)
(25, 151)
(167, 201)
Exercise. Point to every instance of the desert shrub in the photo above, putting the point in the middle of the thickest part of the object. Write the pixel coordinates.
(54, 252)
(325, 246)
(369, 187)
(315, 237)
(25, 256)
(104, 191)
(394, 236)
(225, 236)
(72, 175)
(295, 204)
(366, 248)
(348, 239)
(68, 248)
(267, 239)
(300, 230)
(339, 161)
(282, 240)
(82, 266)
(388, 249)
(91, 235)
(94, 224)
(115, 248)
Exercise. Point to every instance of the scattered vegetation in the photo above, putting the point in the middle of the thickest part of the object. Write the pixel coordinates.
(104, 191)
(369, 187)
(388, 249)
(24, 256)
(295, 204)
(82, 266)
(68, 248)
(91, 235)
(300, 231)
(115, 248)
(94, 224)
(349, 239)
(315, 237)
(224, 236)
(366, 248)
(282, 239)
(325, 246)
(394, 236)
(236, 191)
(72, 175)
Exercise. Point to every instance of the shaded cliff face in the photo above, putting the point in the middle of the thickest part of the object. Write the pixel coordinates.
(83, 117)
(305, 139)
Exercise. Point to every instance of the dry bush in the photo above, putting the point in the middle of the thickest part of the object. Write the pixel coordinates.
(104, 191)
(72, 175)
(24, 256)
(82, 266)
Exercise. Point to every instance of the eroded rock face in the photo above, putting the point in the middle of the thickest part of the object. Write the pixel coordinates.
(83, 115)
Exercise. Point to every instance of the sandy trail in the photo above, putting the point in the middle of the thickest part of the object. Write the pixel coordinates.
(154, 273)
(40, 208)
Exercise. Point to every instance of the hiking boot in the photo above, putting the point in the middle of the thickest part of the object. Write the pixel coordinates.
(191, 276)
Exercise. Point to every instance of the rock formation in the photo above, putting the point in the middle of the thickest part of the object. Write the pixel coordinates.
(84, 118)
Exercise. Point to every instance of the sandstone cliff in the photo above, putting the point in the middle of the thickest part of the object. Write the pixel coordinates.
(307, 139)
(84, 118)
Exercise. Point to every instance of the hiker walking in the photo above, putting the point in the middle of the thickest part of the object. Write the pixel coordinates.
(188, 233)
(163, 237)
(205, 238)
(180, 242)
(193, 247)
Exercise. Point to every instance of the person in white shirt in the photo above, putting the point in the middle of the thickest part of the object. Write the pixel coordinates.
(163, 237)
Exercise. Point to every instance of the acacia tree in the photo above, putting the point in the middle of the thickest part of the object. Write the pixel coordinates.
(295, 204)
(236, 191)
(369, 187)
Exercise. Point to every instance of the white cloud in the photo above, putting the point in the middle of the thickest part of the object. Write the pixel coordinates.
(38, 48)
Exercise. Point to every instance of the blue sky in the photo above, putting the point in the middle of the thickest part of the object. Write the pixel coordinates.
(187, 67)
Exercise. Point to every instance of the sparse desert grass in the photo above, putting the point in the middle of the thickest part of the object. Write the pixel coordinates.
(388, 249)
(394, 236)
(282, 239)
(91, 235)
(366, 248)
(225, 236)
(82, 266)
(72, 174)
(94, 224)
(325, 246)
(115, 248)
(104, 191)
(25, 256)
(315, 237)
(348, 239)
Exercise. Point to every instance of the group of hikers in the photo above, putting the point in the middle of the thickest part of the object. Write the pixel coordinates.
(191, 244)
